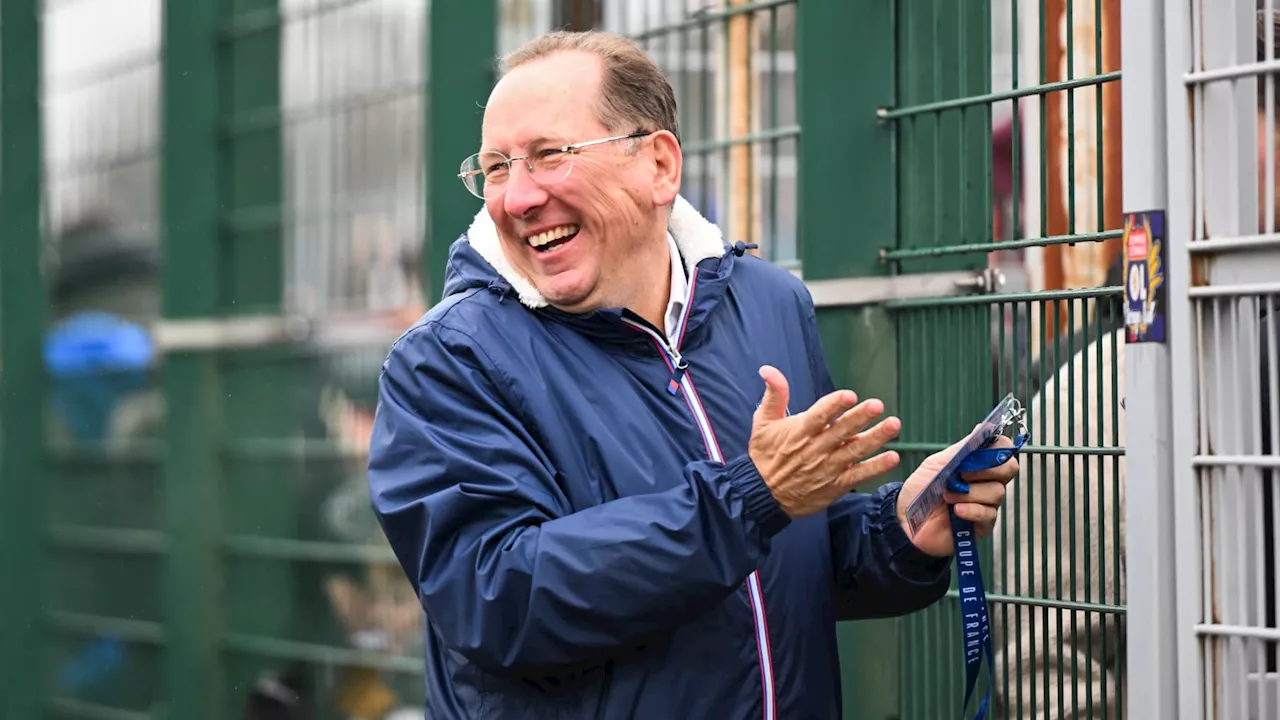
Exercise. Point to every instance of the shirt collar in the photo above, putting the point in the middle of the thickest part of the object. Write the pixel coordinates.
(679, 288)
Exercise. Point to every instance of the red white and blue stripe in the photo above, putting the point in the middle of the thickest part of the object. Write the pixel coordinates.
(682, 380)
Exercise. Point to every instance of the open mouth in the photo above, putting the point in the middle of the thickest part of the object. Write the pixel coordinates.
(551, 239)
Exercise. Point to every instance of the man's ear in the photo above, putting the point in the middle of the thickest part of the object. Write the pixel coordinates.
(668, 164)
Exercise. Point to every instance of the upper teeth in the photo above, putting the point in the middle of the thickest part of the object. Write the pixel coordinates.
(543, 238)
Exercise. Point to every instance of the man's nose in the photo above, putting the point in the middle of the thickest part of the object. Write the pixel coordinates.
(524, 195)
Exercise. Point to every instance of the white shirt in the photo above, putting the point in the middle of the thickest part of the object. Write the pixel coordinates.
(679, 288)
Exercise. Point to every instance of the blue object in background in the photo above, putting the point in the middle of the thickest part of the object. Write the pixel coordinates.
(89, 669)
(94, 359)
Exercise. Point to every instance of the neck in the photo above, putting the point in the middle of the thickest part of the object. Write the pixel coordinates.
(651, 289)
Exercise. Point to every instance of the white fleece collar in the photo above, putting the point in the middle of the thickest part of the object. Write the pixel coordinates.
(697, 238)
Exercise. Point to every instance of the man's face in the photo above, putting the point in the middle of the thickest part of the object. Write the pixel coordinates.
(610, 204)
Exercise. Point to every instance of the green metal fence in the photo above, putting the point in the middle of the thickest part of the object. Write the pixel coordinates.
(733, 68)
(214, 540)
(190, 537)
(104, 484)
(894, 108)
(1057, 567)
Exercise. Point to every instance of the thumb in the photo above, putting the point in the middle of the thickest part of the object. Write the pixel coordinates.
(776, 394)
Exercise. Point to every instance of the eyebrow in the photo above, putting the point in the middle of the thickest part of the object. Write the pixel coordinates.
(537, 141)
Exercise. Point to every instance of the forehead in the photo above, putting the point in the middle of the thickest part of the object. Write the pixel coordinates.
(552, 99)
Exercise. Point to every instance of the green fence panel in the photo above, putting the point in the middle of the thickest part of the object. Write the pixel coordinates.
(1054, 570)
(328, 169)
(192, 287)
(306, 200)
(102, 511)
(733, 68)
(22, 377)
(944, 357)
(463, 38)
(847, 216)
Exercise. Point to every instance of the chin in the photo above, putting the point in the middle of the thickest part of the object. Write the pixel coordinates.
(573, 296)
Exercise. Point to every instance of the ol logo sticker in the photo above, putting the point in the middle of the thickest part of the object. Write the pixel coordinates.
(1146, 305)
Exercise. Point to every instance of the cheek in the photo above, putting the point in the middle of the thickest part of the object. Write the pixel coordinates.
(606, 199)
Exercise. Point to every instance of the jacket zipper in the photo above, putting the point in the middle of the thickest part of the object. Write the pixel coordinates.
(755, 590)
(675, 361)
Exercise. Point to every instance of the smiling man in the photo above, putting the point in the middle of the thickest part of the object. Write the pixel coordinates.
(611, 460)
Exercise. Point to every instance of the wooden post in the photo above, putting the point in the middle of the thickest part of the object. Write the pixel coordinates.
(741, 184)
(1084, 265)
(1054, 152)
(577, 15)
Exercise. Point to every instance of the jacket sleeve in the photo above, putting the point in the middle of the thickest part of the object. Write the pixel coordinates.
(877, 571)
(509, 576)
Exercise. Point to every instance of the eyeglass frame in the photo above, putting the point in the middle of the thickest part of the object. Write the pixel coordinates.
(573, 149)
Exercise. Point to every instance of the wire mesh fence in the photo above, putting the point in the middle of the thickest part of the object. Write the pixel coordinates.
(352, 107)
(1004, 126)
(101, 78)
(733, 67)
(1024, 164)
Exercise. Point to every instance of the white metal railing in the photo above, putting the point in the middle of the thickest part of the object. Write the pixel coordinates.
(1202, 542)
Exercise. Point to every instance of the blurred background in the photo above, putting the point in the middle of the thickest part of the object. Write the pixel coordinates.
(217, 215)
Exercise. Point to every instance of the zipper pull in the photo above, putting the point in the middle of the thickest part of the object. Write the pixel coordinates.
(680, 364)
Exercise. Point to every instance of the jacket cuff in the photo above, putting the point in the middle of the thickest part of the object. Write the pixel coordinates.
(758, 504)
(911, 561)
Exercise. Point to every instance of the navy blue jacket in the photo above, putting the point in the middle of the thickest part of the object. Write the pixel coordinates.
(572, 498)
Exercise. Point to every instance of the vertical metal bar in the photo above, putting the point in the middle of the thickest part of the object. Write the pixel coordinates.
(705, 89)
(1149, 525)
(22, 376)
(192, 181)
(837, 112)
(1070, 56)
(1043, 116)
(1273, 417)
(461, 43)
(1096, 556)
(774, 183)
(1173, 684)
(1015, 129)
(1269, 97)
(1116, 508)
(1073, 490)
(1058, 554)
(1005, 383)
(1046, 692)
(255, 384)
(1024, 513)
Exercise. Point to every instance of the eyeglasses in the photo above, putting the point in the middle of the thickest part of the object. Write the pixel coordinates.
(485, 174)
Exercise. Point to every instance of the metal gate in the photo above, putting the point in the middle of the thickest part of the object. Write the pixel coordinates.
(1056, 585)
(896, 211)
(1217, 591)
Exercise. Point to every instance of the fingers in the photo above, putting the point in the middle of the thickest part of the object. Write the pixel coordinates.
(981, 493)
(867, 442)
(776, 395)
(980, 505)
(983, 517)
(826, 410)
(844, 429)
(999, 474)
(868, 469)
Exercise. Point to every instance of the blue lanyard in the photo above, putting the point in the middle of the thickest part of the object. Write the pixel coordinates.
(973, 596)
